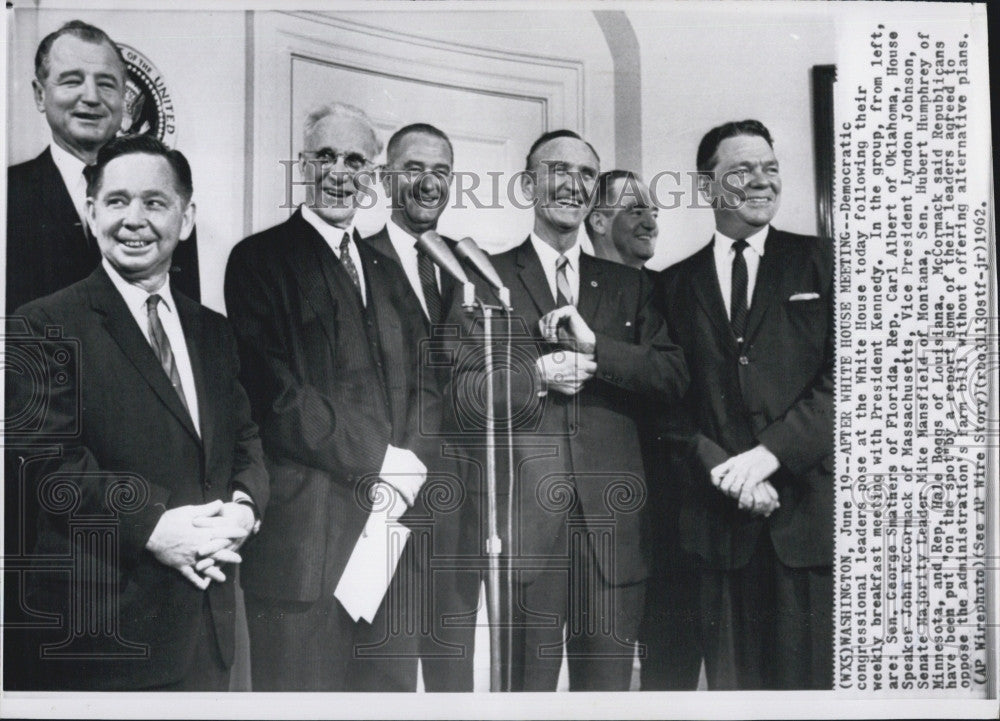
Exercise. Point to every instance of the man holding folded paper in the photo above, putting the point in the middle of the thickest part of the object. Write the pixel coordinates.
(329, 345)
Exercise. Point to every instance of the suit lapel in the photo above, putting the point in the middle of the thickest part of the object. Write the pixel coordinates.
(381, 242)
(705, 285)
(311, 268)
(591, 288)
(768, 278)
(208, 379)
(121, 326)
(383, 299)
(532, 277)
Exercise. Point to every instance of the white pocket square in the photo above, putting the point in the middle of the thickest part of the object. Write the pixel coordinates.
(804, 296)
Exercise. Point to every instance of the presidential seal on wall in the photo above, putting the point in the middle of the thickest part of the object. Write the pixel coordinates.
(149, 107)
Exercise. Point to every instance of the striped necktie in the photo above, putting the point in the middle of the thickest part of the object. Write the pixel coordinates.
(738, 298)
(429, 286)
(161, 347)
(564, 294)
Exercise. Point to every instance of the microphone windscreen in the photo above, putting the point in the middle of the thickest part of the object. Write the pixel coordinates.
(435, 247)
(466, 248)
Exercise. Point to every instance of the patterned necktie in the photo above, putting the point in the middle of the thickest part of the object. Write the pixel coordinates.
(564, 295)
(161, 347)
(348, 262)
(738, 298)
(429, 286)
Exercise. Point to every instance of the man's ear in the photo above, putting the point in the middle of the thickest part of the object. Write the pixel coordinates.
(187, 221)
(528, 184)
(598, 222)
(39, 92)
(705, 184)
(91, 216)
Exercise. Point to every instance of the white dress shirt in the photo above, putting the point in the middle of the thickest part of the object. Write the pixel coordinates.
(724, 255)
(135, 298)
(550, 257)
(71, 169)
(333, 237)
(405, 247)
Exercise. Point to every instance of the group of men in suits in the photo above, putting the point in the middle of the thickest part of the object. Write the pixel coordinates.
(664, 439)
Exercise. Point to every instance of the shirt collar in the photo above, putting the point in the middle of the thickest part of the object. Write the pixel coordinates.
(331, 233)
(549, 255)
(400, 239)
(134, 296)
(724, 244)
(70, 167)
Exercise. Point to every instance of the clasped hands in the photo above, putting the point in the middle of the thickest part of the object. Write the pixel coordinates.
(744, 477)
(567, 369)
(196, 539)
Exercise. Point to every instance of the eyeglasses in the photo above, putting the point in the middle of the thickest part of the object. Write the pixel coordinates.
(328, 158)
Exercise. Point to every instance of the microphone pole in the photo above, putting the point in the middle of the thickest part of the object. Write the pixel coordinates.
(467, 249)
(440, 253)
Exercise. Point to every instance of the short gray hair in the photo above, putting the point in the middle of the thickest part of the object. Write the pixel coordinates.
(339, 110)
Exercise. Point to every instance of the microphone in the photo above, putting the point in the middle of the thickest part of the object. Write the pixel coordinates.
(435, 247)
(431, 243)
(467, 249)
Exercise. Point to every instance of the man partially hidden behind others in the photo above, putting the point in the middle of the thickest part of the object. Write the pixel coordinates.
(79, 86)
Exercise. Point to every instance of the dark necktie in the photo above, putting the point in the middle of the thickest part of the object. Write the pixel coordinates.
(429, 286)
(348, 263)
(738, 298)
(161, 347)
(564, 294)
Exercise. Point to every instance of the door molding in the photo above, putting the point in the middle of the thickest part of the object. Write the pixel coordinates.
(282, 38)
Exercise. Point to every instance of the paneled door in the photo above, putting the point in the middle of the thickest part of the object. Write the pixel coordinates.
(492, 105)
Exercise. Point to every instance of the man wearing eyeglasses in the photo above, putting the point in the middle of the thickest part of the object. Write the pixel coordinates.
(328, 344)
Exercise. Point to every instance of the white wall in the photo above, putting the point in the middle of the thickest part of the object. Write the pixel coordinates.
(704, 63)
(201, 58)
(566, 34)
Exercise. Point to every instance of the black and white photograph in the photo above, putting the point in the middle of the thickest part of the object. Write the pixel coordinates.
(479, 354)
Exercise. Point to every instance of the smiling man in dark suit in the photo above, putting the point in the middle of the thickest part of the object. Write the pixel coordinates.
(79, 86)
(417, 177)
(329, 339)
(753, 313)
(155, 438)
(593, 351)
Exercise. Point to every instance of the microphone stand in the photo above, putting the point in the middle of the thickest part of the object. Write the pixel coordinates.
(494, 544)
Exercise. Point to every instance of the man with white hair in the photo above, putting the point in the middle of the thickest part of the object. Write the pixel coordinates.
(329, 349)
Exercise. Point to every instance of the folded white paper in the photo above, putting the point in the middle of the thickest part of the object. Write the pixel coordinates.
(376, 555)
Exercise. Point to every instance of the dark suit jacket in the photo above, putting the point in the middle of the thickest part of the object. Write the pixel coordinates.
(128, 452)
(449, 286)
(328, 400)
(586, 445)
(777, 390)
(47, 248)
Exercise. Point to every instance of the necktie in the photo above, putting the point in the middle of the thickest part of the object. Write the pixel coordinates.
(429, 286)
(80, 201)
(348, 262)
(738, 298)
(564, 295)
(161, 347)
